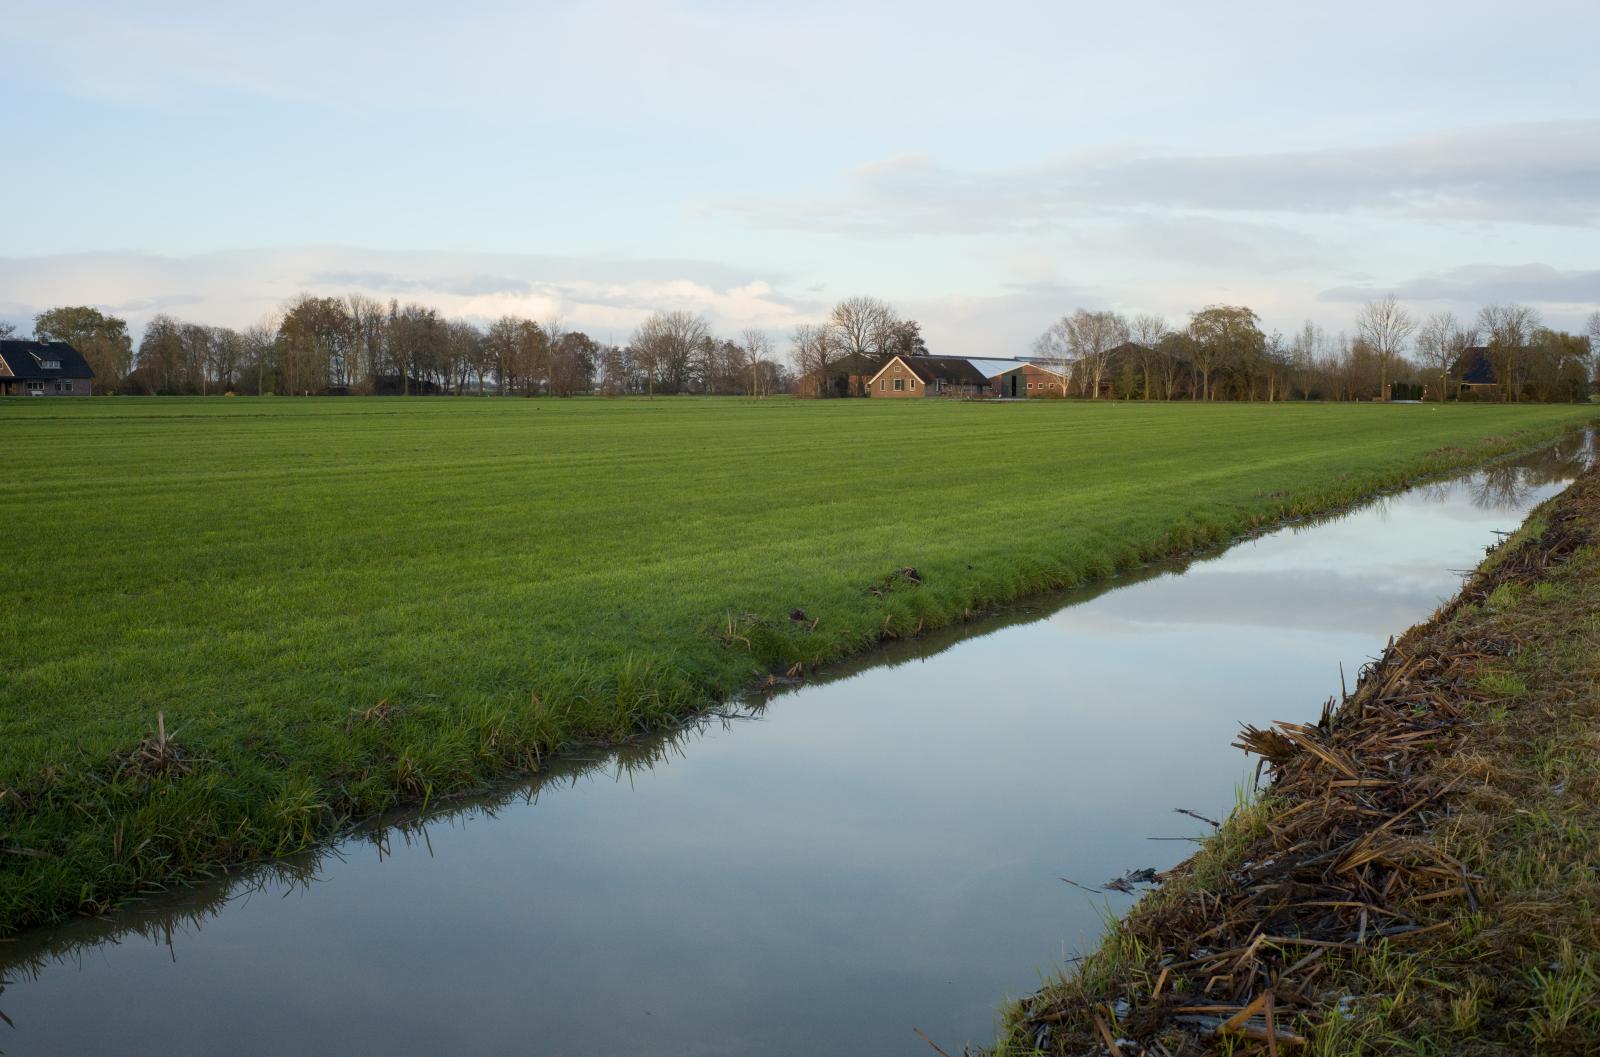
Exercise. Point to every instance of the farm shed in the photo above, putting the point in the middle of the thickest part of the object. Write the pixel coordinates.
(1025, 380)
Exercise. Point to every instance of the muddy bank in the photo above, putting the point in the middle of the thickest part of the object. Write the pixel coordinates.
(1419, 874)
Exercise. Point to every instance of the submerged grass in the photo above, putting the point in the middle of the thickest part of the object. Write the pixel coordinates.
(1423, 876)
(317, 610)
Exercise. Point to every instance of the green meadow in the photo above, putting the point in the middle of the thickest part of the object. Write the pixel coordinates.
(338, 606)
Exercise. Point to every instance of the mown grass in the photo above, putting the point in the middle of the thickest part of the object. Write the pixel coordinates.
(338, 606)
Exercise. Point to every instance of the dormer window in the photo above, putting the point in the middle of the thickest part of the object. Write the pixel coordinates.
(50, 365)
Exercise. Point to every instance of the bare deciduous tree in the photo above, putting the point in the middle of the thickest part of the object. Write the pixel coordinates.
(1052, 349)
(260, 341)
(1077, 346)
(501, 345)
(1147, 330)
(1592, 326)
(1091, 337)
(1508, 330)
(813, 351)
(756, 348)
(1385, 325)
(863, 329)
(1305, 349)
(1440, 343)
(665, 346)
(615, 367)
(463, 343)
(367, 319)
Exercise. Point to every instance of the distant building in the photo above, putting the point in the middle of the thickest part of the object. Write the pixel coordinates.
(43, 368)
(1476, 373)
(835, 380)
(1024, 380)
(919, 375)
(908, 376)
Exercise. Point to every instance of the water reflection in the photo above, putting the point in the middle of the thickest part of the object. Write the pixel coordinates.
(166, 920)
(1509, 485)
(864, 855)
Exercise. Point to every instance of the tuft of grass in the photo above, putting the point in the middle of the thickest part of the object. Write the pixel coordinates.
(345, 606)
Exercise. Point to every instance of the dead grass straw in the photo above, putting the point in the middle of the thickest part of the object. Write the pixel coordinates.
(1341, 854)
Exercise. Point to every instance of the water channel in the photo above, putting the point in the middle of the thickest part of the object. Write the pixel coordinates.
(868, 854)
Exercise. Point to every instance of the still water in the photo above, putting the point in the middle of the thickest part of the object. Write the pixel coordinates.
(860, 857)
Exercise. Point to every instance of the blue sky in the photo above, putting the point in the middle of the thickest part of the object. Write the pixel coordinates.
(984, 168)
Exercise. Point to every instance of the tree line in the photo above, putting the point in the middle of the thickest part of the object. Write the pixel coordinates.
(1221, 353)
(360, 345)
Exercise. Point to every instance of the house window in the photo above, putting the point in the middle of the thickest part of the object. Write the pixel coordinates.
(899, 384)
(913, 383)
(35, 387)
(883, 383)
(1030, 385)
(50, 365)
(64, 386)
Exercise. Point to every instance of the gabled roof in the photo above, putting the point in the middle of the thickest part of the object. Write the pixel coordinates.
(952, 370)
(26, 360)
(1046, 368)
(993, 368)
(1474, 368)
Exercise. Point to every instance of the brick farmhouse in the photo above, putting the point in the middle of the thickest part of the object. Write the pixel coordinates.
(903, 377)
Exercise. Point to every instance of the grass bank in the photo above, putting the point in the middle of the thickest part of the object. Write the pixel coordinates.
(1420, 876)
(340, 606)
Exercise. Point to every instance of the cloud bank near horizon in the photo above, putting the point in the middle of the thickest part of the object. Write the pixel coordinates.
(608, 298)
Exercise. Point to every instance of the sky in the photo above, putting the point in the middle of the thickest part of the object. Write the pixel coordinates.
(984, 168)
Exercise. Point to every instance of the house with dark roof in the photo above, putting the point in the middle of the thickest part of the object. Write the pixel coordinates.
(908, 376)
(1475, 373)
(836, 380)
(43, 368)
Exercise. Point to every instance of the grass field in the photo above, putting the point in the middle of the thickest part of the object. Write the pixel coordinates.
(342, 605)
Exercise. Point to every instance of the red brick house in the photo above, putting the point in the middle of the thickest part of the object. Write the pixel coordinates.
(43, 368)
(908, 376)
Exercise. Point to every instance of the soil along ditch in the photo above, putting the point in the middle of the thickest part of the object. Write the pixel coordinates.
(1420, 873)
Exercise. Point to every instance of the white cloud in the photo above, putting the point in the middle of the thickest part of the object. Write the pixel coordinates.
(1538, 172)
(1533, 283)
(608, 297)
(1564, 297)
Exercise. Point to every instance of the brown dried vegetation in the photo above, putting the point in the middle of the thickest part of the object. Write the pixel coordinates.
(156, 754)
(1422, 874)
